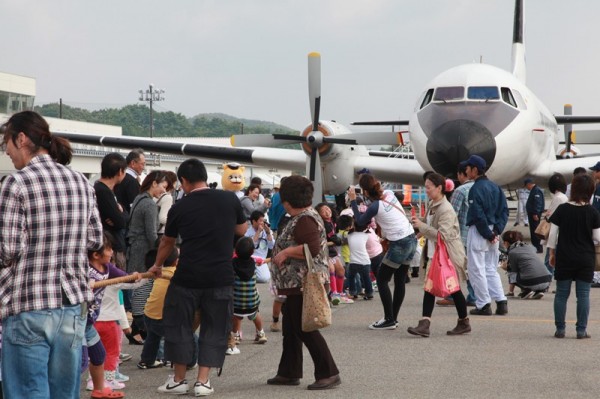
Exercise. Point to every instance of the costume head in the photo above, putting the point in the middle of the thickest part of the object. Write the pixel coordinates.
(233, 177)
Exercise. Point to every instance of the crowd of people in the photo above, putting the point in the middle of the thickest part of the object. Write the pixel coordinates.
(78, 252)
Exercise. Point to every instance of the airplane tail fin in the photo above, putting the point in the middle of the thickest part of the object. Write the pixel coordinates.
(519, 69)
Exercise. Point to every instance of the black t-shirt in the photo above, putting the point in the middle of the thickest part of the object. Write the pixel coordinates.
(206, 221)
(575, 254)
(108, 209)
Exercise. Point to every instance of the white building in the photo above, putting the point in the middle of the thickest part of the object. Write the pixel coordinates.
(17, 93)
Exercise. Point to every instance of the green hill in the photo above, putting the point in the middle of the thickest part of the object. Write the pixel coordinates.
(135, 121)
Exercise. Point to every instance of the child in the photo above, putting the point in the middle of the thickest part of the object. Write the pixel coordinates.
(360, 263)
(336, 269)
(153, 312)
(100, 269)
(245, 295)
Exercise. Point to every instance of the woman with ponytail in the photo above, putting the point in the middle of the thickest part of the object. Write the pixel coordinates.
(396, 228)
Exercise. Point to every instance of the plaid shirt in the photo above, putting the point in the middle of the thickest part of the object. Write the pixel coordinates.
(460, 203)
(48, 221)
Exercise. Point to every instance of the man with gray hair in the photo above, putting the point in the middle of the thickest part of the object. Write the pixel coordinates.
(129, 188)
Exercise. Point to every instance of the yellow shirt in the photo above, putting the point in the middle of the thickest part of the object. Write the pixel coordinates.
(156, 300)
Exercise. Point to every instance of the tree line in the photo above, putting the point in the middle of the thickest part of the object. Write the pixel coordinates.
(135, 121)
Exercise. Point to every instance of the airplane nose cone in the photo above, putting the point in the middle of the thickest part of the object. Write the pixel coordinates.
(455, 141)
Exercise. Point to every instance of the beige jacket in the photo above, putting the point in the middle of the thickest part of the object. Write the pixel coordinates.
(444, 221)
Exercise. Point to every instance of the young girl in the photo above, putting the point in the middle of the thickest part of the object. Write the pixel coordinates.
(245, 295)
(336, 269)
(100, 269)
(360, 262)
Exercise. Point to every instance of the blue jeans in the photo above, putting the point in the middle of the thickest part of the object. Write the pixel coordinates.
(363, 271)
(563, 290)
(41, 353)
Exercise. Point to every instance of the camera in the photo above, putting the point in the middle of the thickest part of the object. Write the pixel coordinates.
(357, 190)
(267, 224)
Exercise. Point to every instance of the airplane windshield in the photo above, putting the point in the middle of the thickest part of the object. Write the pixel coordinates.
(449, 93)
(483, 93)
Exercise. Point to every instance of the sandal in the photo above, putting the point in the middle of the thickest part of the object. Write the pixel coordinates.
(106, 393)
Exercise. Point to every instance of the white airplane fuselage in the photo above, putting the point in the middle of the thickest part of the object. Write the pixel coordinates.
(481, 109)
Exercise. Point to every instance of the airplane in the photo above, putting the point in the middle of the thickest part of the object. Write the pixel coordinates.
(469, 109)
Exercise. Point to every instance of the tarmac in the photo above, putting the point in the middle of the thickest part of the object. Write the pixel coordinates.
(507, 356)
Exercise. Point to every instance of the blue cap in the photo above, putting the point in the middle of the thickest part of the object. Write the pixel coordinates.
(476, 161)
(527, 181)
(596, 167)
(363, 171)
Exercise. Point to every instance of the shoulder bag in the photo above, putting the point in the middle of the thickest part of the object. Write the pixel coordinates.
(316, 312)
(543, 229)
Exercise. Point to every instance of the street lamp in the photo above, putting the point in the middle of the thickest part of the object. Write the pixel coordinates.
(151, 94)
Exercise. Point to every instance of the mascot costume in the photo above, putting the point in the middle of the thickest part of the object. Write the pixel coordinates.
(233, 178)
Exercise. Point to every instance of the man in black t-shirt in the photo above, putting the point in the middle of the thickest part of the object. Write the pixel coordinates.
(206, 220)
(114, 220)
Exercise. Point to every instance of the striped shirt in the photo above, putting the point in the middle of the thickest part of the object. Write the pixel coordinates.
(48, 221)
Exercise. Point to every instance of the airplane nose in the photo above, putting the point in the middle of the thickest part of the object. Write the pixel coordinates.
(454, 141)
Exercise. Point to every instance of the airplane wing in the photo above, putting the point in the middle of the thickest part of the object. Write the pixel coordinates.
(267, 157)
(390, 169)
(564, 166)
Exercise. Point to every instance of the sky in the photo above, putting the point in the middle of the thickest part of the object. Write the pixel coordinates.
(248, 58)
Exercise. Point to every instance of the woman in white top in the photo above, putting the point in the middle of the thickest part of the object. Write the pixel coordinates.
(558, 187)
(396, 228)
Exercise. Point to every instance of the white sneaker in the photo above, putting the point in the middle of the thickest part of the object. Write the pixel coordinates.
(260, 338)
(121, 377)
(114, 384)
(201, 389)
(90, 384)
(232, 351)
(174, 388)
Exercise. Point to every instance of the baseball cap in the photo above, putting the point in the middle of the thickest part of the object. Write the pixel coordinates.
(527, 181)
(477, 161)
(596, 167)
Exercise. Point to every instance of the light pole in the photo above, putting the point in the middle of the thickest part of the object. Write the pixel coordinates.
(151, 94)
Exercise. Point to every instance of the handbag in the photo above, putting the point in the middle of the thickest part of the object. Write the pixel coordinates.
(543, 229)
(316, 312)
(442, 279)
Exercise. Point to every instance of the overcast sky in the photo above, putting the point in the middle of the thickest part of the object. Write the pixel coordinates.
(248, 58)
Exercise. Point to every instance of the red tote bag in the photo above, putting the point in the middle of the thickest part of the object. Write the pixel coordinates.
(442, 279)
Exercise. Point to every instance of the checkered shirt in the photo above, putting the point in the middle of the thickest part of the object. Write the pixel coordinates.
(460, 203)
(48, 221)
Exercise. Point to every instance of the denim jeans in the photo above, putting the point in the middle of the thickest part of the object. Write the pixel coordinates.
(400, 252)
(363, 272)
(563, 290)
(41, 353)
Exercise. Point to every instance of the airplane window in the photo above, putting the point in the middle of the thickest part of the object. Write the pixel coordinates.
(520, 101)
(449, 93)
(508, 97)
(427, 98)
(483, 93)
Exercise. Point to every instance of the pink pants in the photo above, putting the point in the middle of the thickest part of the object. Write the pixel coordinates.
(110, 334)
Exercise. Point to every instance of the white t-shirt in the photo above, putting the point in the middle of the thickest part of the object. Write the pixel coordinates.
(357, 243)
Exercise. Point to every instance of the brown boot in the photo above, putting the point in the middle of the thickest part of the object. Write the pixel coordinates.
(462, 327)
(422, 329)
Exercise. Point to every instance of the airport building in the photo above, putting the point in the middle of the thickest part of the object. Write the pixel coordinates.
(17, 93)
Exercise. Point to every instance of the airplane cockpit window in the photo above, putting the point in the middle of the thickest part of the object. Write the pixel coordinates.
(483, 93)
(449, 93)
(427, 98)
(519, 99)
(507, 97)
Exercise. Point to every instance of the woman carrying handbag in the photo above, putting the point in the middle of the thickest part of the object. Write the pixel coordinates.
(441, 221)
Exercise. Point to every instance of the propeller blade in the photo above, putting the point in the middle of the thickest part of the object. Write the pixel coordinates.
(288, 137)
(380, 123)
(262, 140)
(314, 156)
(315, 175)
(338, 140)
(314, 87)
